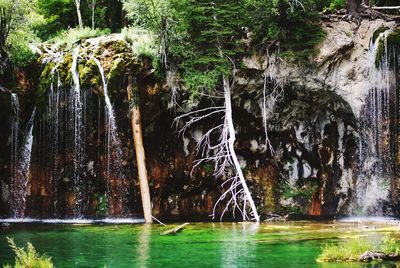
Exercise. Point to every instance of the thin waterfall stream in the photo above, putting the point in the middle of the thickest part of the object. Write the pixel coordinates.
(378, 131)
(20, 181)
(117, 189)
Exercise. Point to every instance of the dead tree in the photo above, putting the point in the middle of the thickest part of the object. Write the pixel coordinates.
(222, 153)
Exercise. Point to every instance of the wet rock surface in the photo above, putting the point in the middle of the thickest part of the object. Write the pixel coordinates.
(312, 124)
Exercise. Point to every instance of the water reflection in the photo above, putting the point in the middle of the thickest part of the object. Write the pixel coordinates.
(198, 245)
(143, 250)
(239, 248)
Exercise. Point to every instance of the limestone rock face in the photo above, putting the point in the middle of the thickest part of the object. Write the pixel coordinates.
(342, 65)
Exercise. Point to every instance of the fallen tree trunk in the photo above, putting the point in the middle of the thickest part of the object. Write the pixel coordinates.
(133, 97)
(175, 230)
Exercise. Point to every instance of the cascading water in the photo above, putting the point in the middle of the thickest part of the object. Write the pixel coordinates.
(20, 181)
(73, 175)
(53, 114)
(117, 188)
(377, 135)
(76, 110)
(14, 133)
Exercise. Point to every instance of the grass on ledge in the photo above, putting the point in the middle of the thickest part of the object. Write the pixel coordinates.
(350, 250)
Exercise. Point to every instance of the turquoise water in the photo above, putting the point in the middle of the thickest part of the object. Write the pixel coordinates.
(285, 245)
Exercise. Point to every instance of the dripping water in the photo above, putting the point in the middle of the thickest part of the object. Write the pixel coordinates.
(76, 110)
(14, 133)
(375, 156)
(20, 182)
(117, 190)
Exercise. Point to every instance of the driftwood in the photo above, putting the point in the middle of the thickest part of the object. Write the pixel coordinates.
(377, 255)
(175, 230)
(276, 218)
(364, 12)
(388, 8)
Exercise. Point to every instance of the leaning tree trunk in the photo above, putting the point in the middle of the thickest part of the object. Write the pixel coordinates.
(231, 142)
(133, 97)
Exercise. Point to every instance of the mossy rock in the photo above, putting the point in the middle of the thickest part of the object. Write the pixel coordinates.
(121, 64)
(117, 46)
(393, 41)
(45, 79)
(64, 68)
(393, 38)
(89, 74)
(377, 32)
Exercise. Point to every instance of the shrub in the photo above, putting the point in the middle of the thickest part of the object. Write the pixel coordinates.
(390, 245)
(73, 35)
(351, 249)
(143, 42)
(28, 257)
(348, 250)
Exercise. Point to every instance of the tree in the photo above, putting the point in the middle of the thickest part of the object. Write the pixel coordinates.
(78, 12)
(133, 98)
(92, 4)
(17, 19)
(353, 5)
(213, 49)
(154, 15)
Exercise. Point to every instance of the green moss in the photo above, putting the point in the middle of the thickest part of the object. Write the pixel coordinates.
(376, 34)
(89, 74)
(122, 63)
(393, 41)
(116, 46)
(45, 79)
(117, 67)
(379, 53)
(393, 38)
(64, 68)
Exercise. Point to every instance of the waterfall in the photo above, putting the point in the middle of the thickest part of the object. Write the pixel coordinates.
(376, 131)
(20, 182)
(53, 114)
(14, 133)
(76, 108)
(117, 188)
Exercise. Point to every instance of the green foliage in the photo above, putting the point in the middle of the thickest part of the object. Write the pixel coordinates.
(337, 4)
(348, 250)
(351, 249)
(20, 51)
(28, 258)
(294, 29)
(212, 41)
(148, 14)
(307, 191)
(390, 245)
(74, 35)
(143, 42)
(19, 17)
(60, 15)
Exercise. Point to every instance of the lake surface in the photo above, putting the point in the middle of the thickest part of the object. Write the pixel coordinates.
(292, 244)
